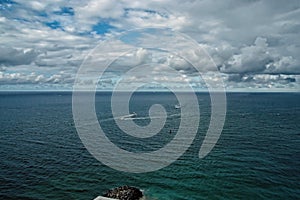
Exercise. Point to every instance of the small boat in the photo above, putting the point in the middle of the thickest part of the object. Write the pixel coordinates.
(177, 106)
(133, 115)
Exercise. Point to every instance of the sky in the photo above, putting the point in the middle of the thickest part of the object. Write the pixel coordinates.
(254, 44)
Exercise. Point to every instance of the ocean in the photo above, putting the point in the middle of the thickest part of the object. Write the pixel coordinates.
(256, 157)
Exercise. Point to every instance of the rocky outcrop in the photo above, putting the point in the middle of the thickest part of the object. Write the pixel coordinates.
(124, 193)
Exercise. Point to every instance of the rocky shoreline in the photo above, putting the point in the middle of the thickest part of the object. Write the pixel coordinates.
(124, 193)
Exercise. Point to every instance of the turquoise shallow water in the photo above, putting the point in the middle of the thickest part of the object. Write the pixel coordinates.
(256, 157)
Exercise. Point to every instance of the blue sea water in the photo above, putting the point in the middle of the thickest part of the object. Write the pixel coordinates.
(256, 157)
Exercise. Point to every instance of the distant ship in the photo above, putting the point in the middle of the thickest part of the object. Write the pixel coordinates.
(133, 115)
(177, 106)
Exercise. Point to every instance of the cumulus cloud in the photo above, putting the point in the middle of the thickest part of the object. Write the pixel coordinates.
(33, 78)
(252, 59)
(11, 56)
(260, 58)
(262, 78)
(263, 81)
(251, 42)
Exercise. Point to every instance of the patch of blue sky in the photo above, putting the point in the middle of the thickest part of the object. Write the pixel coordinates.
(41, 14)
(6, 8)
(65, 11)
(6, 4)
(130, 38)
(103, 27)
(54, 24)
(128, 10)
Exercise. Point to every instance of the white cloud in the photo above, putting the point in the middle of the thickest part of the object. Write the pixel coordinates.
(33, 78)
(260, 58)
(90, 12)
(252, 59)
(11, 56)
(246, 39)
(2, 19)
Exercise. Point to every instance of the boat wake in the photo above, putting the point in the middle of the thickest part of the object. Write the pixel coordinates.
(127, 117)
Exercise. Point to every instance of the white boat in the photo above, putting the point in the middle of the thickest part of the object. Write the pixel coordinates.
(133, 115)
(177, 106)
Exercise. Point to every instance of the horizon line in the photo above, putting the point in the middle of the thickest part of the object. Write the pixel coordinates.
(162, 91)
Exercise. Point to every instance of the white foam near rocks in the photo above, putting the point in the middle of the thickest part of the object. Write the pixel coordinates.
(103, 198)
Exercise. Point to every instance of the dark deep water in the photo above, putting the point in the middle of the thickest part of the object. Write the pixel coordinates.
(256, 157)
